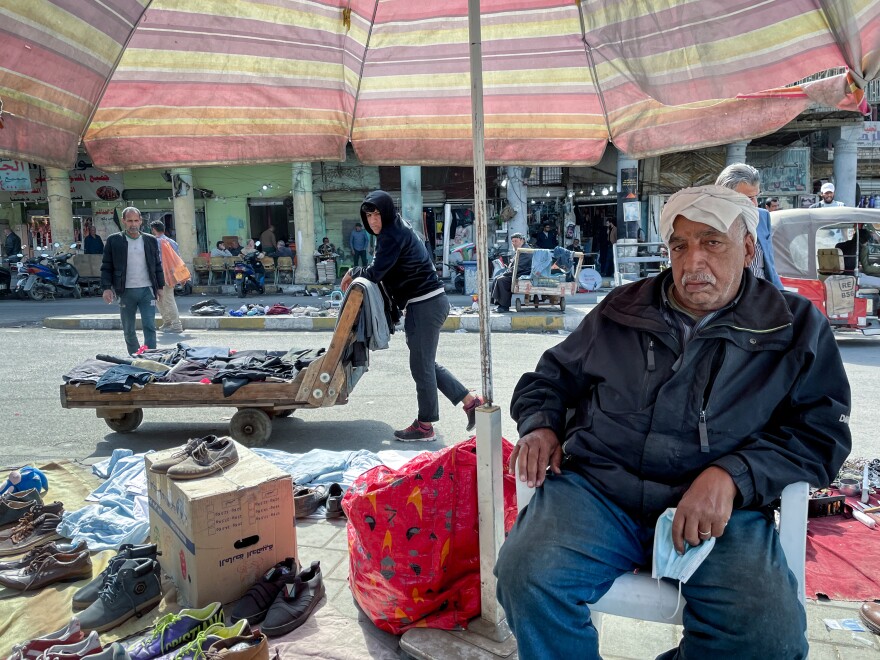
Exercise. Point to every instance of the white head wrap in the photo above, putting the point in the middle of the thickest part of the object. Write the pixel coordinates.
(827, 187)
(715, 206)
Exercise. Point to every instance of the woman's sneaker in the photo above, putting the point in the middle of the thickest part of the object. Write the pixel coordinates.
(416, 432)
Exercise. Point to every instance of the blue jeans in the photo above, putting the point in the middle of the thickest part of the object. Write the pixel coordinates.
(131, 302)
(422, 328)
(570, 544)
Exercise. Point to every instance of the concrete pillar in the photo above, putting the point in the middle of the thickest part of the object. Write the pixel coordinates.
(304, 217)
(184, 214)
(518, 200)
(627, 191)
(846, 162)
(60, 206)
(736, 152)
(411, 197)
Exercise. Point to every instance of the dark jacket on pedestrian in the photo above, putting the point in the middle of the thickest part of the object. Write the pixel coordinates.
(115, 262)
(759, 390)
(401, 260)
(12, 244)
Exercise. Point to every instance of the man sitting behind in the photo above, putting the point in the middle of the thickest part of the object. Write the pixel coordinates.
(702, 388)
(283, 251)
(869, 273)
(220, 250)
(501, 289)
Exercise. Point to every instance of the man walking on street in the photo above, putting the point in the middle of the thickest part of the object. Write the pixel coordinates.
(167, 303)
(131, 271)
(359, 242)
(11, 243)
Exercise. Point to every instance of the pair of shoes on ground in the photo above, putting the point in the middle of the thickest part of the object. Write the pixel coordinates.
(15, 505)
(69, 643)
(130, 586)
(38, 526)
(199, 457)
(46, 565)
(424, 431)
(501, 309)
(174, 631)
(282, 602)
(235, 642)
(307, 499)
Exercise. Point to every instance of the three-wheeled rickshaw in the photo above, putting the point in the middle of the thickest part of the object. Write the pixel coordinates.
(817, 255)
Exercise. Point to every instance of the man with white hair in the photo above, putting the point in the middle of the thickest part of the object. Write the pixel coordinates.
(827, 193)
(703, 388)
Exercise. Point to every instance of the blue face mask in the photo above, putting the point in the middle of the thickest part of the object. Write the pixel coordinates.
(667, 563)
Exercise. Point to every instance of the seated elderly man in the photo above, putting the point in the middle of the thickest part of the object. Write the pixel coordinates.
(501, 287)
(704, 389)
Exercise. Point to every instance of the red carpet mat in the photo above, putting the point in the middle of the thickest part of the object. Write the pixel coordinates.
(843, 559)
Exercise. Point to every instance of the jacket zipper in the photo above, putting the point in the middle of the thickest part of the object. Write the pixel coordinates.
(702, 426)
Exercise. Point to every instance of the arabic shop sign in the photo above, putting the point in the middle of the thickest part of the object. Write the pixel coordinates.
(15, 176)
(86, 185)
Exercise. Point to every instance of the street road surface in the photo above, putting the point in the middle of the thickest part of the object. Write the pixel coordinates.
(34, 427)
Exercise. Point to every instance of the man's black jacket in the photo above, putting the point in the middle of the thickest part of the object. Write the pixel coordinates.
(115, 262)
(12, 244)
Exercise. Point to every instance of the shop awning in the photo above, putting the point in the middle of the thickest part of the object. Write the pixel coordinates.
(167, 82)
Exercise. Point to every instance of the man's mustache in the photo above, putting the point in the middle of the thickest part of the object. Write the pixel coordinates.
(697, 277)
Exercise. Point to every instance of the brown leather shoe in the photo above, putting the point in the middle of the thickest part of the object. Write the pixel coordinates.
(29, 533)
(49, 569)
(870, 616)
(51, 548)
(252, 646)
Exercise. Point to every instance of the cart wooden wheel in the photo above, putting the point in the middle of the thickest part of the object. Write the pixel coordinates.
(518, 305)
(562, 303)
(128, 422)
(251, 427)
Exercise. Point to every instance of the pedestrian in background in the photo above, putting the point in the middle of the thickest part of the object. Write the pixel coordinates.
(11, 242)
(131, 271)
(827, 193)
(359, 242)
(92, 243)
(167, 302)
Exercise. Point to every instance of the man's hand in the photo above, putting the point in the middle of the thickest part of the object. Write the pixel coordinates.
(704, 509)
(533, 453)
(108, 296)
(347, 279)
(159, 293)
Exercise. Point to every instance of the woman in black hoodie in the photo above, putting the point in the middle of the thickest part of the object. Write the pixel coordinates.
(403, 265)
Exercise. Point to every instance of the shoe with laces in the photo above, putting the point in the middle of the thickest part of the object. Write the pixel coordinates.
(132, 590)
(14, 509)
(115, 651)
(30, 532)
(89, 593)
(206, 459)
(51, 548)
(49, 569)
(256, 602)
(32, 649)
(416, 432)
(253, 646)
(173, 631)
(55, 508)
(196, 649)
(89, 646)
(471, 412)
(179, 455)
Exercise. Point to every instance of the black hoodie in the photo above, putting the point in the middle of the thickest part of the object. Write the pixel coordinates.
(401, 262)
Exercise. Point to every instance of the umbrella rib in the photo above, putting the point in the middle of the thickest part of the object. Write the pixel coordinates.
(112, 71)
(588, 51)
(357, 94)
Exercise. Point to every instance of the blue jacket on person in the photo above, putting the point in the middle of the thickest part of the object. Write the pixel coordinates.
(764, 238)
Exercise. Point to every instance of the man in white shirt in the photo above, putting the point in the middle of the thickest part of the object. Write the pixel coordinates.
(220, 250)
(131, 270)
(827, 192)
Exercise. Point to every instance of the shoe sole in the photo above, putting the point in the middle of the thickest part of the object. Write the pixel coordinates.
(67, 578)
(8, 552)
(184, 476)
(296, 623)
(143, 609)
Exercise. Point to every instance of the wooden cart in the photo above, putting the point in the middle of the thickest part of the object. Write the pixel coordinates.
(325, 382)
(525, 292)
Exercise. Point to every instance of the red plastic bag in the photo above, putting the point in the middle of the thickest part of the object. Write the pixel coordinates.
(413, 539)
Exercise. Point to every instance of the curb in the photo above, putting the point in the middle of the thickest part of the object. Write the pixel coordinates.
(469, 323)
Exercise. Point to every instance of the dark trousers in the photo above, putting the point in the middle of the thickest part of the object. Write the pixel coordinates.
(360, 258)
(501, 294)
(422, 328)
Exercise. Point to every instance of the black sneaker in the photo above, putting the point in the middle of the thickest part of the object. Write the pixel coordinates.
(415, 432)
(295, 602)
(254, 605)
(501, 309)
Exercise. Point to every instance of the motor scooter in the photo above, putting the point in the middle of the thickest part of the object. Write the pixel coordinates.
(249, 274)
(52, 276)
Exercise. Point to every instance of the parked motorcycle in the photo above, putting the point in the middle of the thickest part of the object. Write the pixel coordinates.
(249, 274)
(497, 265)
(53, 276)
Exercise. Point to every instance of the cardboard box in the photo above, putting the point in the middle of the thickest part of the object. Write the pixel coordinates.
(218, 534)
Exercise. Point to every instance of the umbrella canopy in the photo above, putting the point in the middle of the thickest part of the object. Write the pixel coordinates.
(173, 83)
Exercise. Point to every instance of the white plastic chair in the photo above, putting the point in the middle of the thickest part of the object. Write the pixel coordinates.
(637, 596)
